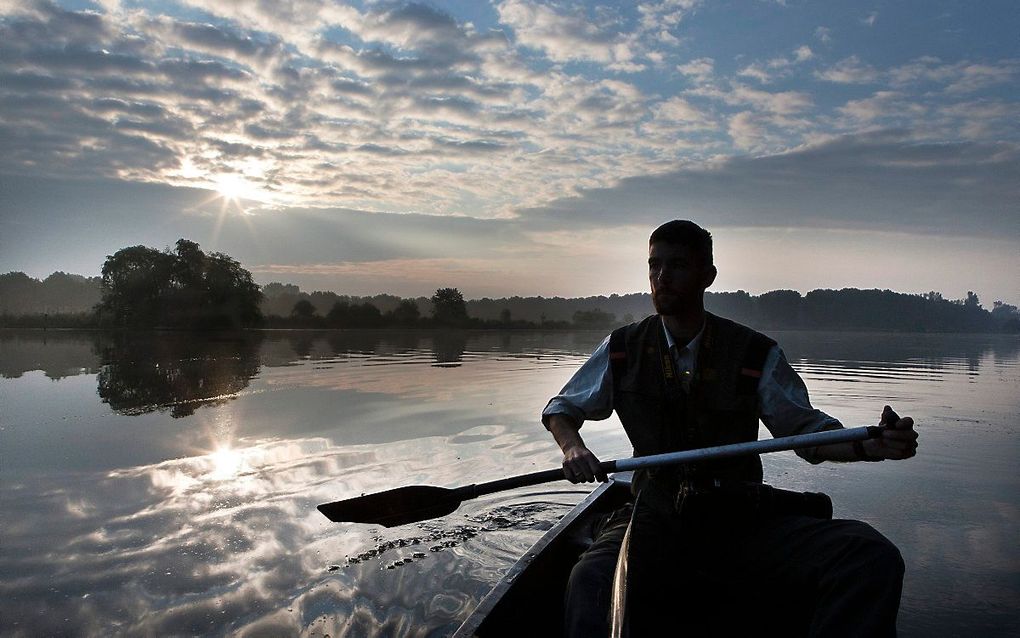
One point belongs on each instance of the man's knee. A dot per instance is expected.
(589, 590)
(873, 555)
(590, 576)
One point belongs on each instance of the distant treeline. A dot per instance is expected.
(58, 293)
(846, 309)
(63, 300)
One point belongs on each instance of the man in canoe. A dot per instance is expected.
(682, 379)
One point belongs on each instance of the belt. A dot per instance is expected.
(711, 499)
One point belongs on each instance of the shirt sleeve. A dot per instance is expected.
(588, 395)
(785, 407)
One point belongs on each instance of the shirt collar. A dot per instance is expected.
(691, 347)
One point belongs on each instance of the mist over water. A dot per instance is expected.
(166, 484)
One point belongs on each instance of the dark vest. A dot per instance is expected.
(721, 406)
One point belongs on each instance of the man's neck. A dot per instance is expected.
(686, 326)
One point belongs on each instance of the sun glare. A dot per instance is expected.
(226, 463)
(234, 188)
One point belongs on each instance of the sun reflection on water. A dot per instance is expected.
(227, 463)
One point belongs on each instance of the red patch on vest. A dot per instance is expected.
(748, 372)
(617, 355)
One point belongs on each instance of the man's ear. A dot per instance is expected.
(710, 273)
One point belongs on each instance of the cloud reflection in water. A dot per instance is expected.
(230, 541)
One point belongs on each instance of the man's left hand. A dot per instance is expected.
(898, 440)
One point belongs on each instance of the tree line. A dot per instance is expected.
(184, 288)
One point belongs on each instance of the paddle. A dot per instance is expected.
(415, 503)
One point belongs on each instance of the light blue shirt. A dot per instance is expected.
(784, 406)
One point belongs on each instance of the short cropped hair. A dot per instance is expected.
(687, 234)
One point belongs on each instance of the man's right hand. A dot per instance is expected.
(581, 466)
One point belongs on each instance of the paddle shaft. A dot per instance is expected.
(795, 442)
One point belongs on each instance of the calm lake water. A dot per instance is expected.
(167, 484)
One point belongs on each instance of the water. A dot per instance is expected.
(167, 484)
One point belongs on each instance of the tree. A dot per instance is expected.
(337, 315)
(780, 308)
(449, 308)
(145, 287)
(230, 292)
(136, 282)
(305, 310)
(590, 319)
(505, 316)
(406, 313)
(276, 289)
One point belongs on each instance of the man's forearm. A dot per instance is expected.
(839, 452)
(565, 430)
(579, 464)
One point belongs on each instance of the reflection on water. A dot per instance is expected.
(167, 485)
(175, 372)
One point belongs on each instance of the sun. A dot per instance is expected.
(234, 188)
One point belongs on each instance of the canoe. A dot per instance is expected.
(534, 585)
(528, 600)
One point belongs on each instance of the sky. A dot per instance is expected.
(511, 147)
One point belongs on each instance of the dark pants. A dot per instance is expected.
(795, 575)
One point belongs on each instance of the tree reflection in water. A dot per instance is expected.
(449, 348)
(175, 372)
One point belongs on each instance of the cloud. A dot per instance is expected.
(401, 107)
(955, 78)
(411, 93)
(748, 131)
(958, 78)
(803, 53)
(699, 69)
(566, 37)
(757, 72)
(779, 102)
(778, 67)
(881, 105)
(849, 71)
(677, 109)
(884, 180)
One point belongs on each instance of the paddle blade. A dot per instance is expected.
(399, 506)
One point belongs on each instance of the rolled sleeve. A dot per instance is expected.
(588, 395)
(785, 407)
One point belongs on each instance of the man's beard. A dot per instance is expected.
(667, 303)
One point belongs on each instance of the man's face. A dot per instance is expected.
(678, 277)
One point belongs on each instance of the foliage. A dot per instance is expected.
(594, 319)
(405, 314)
(186, 288)
(345, 315)
(303, 309)
(60, 293)
(449, 308)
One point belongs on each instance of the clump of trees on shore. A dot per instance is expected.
(184, 288)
